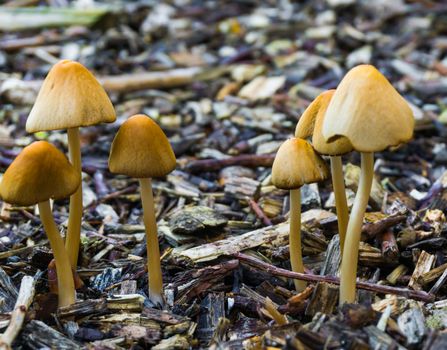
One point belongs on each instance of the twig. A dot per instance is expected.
(249, 160)
(259, 212)
(24, 300)
(408, 293)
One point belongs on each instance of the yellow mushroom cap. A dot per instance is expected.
(39, 172)
(311, 124)
(70, 97)
(296, 164)
(141, 149)
(368, 111)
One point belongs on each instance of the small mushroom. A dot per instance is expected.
(370, 113)
(296, 164)
(41, 172)
(310, 125)
(69, 98)
(141, 150)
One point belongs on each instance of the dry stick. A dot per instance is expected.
(259, 212)
(249, 160)
(296, 258)
(75, 212)
(341, 204)
(153, 250)
(141, 80)
(377, 288)
(24, 300)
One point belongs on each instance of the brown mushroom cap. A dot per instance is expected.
(39, 172)
(311, 123)
(70, 97)
(141, 149)
(296, 164)
(368, 111)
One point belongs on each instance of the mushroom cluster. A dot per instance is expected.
(70, 98)
(364, 114)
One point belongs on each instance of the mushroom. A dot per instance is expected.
(41, 172)
(141, 150)
(370, 113)
(310, 125)
(296, 164)
(69, 98)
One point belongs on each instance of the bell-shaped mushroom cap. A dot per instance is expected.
(39, 172)
(296, 164)
(368, 111)
(70, 97)
(141, 149)
(311, 123)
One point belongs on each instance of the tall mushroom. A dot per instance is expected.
(69, 98)
(141, 150)
(296, 164)
(370, 113)
(310, 125)
(41, 172)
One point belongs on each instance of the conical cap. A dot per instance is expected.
(39, 172)
(141, 149)
(296, 163)
(368, 111)
(311, 124)
(70, 97)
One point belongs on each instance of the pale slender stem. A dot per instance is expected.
(296, 259)
(75, 212)
(338, 183)
(65, 281)
(153, 251)
(348, 271)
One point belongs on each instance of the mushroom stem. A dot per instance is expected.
(65, 283)
(341, 204)
(296, 259)
(75, 212)
(153, 251)
(348, 272)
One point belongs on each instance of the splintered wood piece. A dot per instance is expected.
(379, 340)
(37, 335)
(129, 302)
(397, 304)
(213, 307)
(396, 273)
(423, 265)
(8, 292)
(439, 283)
(195, 282)
(324, 299)
(252, 239)
(24, 300)
(333, 258)
(163, 316)
(83, 308)
(242, 187)
(431, 275)
(273, 312)
(412, 323)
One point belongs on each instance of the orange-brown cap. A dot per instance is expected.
(39, 172)
(368, 111)
(141, 149)
(311, 123)
(70, 97)
(296, 164)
